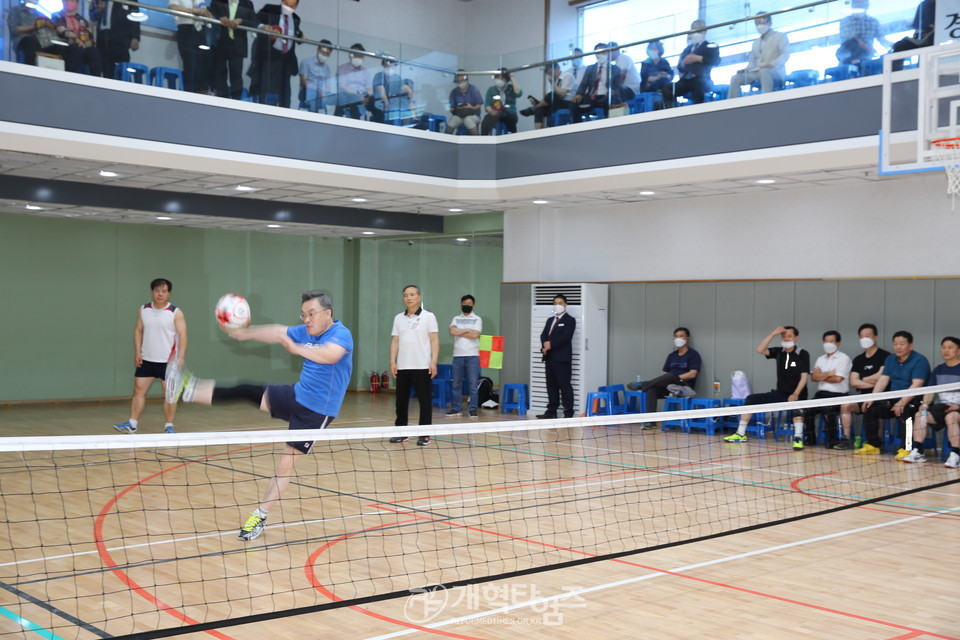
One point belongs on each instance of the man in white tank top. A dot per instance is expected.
(160, 336)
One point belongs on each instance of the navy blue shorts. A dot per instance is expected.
(284, 406)
(151, 370)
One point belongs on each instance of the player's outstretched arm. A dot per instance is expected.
(267, 333)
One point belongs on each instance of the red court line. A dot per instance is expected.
(796, 487)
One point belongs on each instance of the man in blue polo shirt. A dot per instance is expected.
(904, 369)
(326, 347)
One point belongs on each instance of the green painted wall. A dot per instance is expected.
(72, 289)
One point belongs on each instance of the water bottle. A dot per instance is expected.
(639, 380)
(716, 389)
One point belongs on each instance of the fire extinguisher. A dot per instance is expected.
(385, 380)
(374, 382)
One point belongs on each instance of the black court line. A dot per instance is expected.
(60, 613)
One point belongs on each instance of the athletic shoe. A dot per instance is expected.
(189, 386)
(453, 412)
(169, 429)
(634, 386)
(473, 413)
(547, 416)
(125, 427)
(398, 439)
(901, 454)
(252, 528)
(914, 456)
(843, 444)
(953, 460)
(867, 450)
(735, 437)
(423, 441)
(647, 426)
(798, 442)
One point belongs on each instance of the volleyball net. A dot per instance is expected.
(136, 536)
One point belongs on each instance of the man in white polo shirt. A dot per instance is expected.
(832, 375)
(413, 359)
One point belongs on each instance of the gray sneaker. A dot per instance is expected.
(473, 413)
(453, 412)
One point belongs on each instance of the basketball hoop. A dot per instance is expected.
(948, 152)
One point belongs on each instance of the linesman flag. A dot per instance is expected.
(491, 352)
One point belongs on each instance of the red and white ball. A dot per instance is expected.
(233, 312)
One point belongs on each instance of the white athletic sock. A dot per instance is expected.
(168, 424)
(798, 429)
(134, 422)
(742, 428)
(260, 512)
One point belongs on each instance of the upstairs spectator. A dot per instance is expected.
(116, 36)
(354, 84)
(858, 31)
(599, 87)
(75, 31)
(629, 77)
(231, 46)
(766, 62)
(561, 84)
(30, 32)
(316, 78)
(393, 93)
(657, 73)
(924, 24)
(501, 103)
(275, 59)
(197, 62)
(465, 105)
(576, 66)
(696, 63)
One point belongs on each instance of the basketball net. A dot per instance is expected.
(948, 152)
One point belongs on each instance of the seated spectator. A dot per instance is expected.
(230, 48)
(501, 103)
(905, 369)
(599, 88)
(561, 84)
(793, 370)
(944, 413)
(576, 66)
(75, 31)
(629, 76)
(30, 32)
(116, 35)
(766, 62)
(465, 105)
(858, 31)
(393, 92)
(696, 63)
(924, 24)
(196, 58)
(275, 59)
(867, 368)
(832, 375)
(315, 78)
(657, 73)
(355, 86)
(679, 375)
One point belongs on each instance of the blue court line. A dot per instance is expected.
(29, 626)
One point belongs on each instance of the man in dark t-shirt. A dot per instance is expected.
(867, 368)
(679, 375)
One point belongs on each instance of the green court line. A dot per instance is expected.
(29, 626)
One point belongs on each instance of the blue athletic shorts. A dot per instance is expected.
(284, 406)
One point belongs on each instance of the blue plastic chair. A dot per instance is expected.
(559, 118)
(433, 122)
(514, 397)
(709, 425)
(131, 72)
(445, 371)
(646, 101)
(617, 393)
(841, 72)
(675, 404)
(734, 420)
(871, 67)
(635, 401)
(801, 78)
(442, 391)
(599, 403)
(166, 77)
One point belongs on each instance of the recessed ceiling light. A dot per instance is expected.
(461, 239)
(648, 193)
(541, 202)
(273, 226)
(164, 218)
(243, 187)
(358, 199)
(33, 207)
(108, 174)
(766, 181)
(369, 233)
(454, 210)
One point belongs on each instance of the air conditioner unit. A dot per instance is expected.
(588, 304)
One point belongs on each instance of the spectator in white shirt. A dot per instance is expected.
(832, 375)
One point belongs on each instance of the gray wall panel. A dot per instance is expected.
(698, 304)
(733, 350)
(626, 306)
(909, 305)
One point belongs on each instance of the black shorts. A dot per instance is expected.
(284, 406)
(151, 370)
(938, 412)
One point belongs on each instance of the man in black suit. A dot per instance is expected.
(275, 59)
(696, 62)
(116, 35)
(557, 349)
(230, 48)
(600, 86)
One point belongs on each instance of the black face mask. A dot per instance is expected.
(466, 308)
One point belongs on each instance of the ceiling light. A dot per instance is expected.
(369, 233)
(164, 218)
(274, 226)
(454, 210)
(243, 187)
(108, 174)
(766, 181)
(358, 199)
(33, 207)
(541, 202)
(648, 193)
(461, 239)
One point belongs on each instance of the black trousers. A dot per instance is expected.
(656, 388)
(697, 88)
(559, 387)
(507, 117)
(196, 63)
(831, 418)
(882, 410)
(419, 381)
(75, 56)
(227, 72)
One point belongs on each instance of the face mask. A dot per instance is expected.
(286, 10)
(866, 343)
(601, 58)
(463, 85)
(763, 28)
(679, 342)
(577, 63)
(558, 309)
(357, 62)
(829, 347)
(499, 82)
(466, 308)
(321, 58)
(70, 7)
(697, 38)
(787, 344)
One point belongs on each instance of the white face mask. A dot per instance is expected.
(357, 62)
(763, 28)
(829, 347)
(321, 58)
(866, 343)
(601, 58)
(577, 63)
(558, 309)
(697, 38)
(679, 342)
(787, 344)
(499, 82)
(463, 85)
(286, 10)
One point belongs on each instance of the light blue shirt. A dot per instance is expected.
(322, 386)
